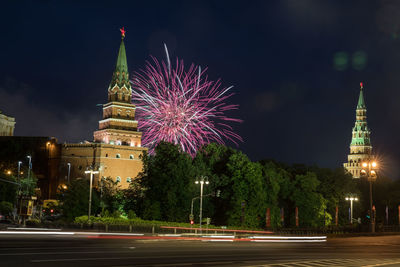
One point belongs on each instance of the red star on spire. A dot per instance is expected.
(122, 32)
(361, 85)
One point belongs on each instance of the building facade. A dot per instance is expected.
(45, 160)
(360, 146)
(116, 150)
(7, 125)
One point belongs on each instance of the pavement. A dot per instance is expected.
(52, 247)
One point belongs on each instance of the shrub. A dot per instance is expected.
(6, 208)
(33, 222)
(131, 215)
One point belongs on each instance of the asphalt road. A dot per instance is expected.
(52, 250)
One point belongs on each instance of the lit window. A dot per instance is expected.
(118, 156)
(131, 157)
(118, 179)
(128, 180)
(118, 143)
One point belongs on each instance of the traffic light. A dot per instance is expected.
(218, 193)
(191, 222)
(368, 215)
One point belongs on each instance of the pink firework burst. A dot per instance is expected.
(181, 107)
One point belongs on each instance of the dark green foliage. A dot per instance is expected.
(8, 191)
(167, 180)
(134, 195)
(9, 188)
(310, 203)
(6, 208)
(111, 196)
(131, 215)
(166, 186)
(74, 201)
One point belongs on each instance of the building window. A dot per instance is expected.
(118, 156)
(131, 157)
(118, 180)
(118, 142)
(106, 155)
(128, 180)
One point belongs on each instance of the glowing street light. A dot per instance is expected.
(90, 191)
(203, 180)
(351, 199)
(369, 171)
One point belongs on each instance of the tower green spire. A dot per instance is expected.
(120, 87)
(361, 102)
(121, 76)
(361, 132)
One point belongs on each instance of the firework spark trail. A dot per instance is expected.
(181, 107)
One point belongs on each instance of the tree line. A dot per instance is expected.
(240, 192)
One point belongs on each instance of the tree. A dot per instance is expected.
(240, 181)
(167, 180)
(111, 196)
(249, 199)
(211, 160)
(334, 186)
(8, 188)
(311, 204)
(74, 201)
(276, 180)
(6, 208)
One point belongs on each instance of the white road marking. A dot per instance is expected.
(63, 252)
(34, 233)
(32, 229)
(288, 237)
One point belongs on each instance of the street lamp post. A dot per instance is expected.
(191, 207)
(351, 199)
(29, 166)
(90, 191)
(369, 170)
(69, 171)
(203, 180)
(19, 169)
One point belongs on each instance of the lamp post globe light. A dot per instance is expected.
(351, 199)
(90, 191)
(369, 168)
(203, 180)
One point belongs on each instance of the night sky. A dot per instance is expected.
(295, 66)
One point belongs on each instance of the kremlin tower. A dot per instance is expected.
(360, 146)
(116, 150)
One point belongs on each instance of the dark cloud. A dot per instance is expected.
(35, 119)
